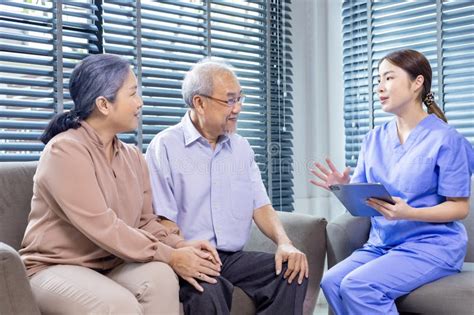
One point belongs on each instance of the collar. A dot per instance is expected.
(92, 134)
(191, 134)
(422, 125)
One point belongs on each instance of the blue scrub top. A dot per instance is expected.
(435, 162)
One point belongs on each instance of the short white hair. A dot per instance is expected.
(199, 79)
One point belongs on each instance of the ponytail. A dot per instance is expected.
(59, 123)
(433, 108)
(415, 64)
(96, 75)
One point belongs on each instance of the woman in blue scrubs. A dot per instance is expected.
(426, 165)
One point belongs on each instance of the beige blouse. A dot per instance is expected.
(89, 212)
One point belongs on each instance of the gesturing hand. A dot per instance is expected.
(191, 264)
(329, 177)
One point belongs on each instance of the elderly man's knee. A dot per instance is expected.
(213, 290)
(216, 299)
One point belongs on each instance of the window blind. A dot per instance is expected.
(458, 65)
(252, 36)
(357, 113)
(280, 146)
(40, 43)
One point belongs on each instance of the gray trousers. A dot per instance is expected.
(254, 273)
(132, 288)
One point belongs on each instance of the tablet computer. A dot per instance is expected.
(354, 196)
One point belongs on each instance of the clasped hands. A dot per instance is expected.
(196, 260)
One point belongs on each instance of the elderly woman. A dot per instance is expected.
(93, 244)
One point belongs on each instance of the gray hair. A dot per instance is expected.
(96, 75)
(199, 79)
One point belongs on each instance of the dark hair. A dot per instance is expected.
(415, 64)
(95, 76)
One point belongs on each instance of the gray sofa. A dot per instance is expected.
(450, 295)
(16, 181)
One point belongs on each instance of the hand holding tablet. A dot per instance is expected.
(354, 197)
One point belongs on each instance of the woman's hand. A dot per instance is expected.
(204, 246)
(400, 210)
(193, 264)
(329, 176)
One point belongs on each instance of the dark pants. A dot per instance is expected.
(254, 273)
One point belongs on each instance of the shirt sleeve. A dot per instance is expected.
(164, 202)
(359, 175)
(455, 161)
(67, 175)
(148, 220)
(260, 198)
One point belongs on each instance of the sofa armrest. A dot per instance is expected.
(308, 235)
(345, 234)
(15, 291)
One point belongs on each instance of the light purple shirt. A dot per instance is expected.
(211, 195)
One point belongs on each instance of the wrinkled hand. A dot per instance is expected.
(203, 246)
(296, 260)
(400, 210)
(329, 176)
(170, 225)
(191, 264)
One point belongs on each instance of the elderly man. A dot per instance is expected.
(205, 180)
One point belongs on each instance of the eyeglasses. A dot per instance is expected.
(230, 102)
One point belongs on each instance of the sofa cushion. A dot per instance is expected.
(15, 290)
(308, 235)
(16, 190)
(450, 295)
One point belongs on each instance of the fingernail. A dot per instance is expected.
(278, 272)
(300, 282)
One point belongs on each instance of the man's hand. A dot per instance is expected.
(203, 246)
(297, 262)
(170, 225)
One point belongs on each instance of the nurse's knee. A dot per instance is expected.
(330, 281)
(353, 286)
